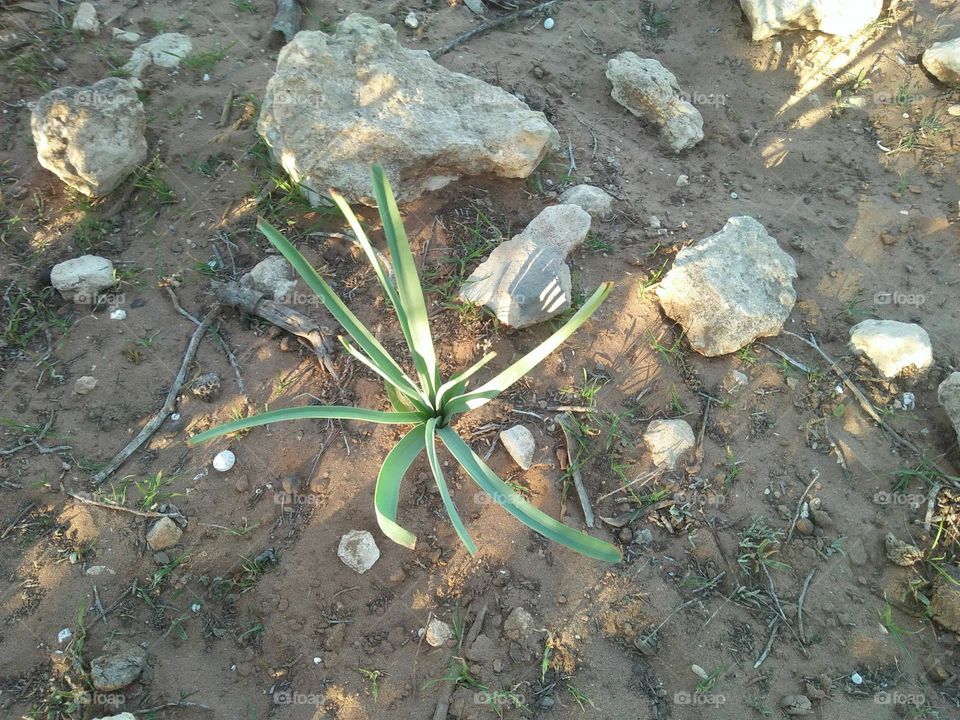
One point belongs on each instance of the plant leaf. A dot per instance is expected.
(431, 444)
(420, 402)
(408, 283)
(526, 513)
(459, 379)
(490, 389)
(310, 412)
(386, 496)
(363, 337)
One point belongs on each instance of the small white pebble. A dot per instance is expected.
(224, 460)
(118, 314)
(64, 635)
(411, 20)
(317, 660)
(195, 608)
(856, 679)
(733, 196)
(548, 24)
(909, 401)
(206, 77)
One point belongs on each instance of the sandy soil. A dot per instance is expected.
(297, 634)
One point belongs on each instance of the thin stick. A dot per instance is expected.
(796, 363)
(20, 516)
(132, 511)
(98, 605)
(573, 458)
(931, 503)
(491, 25)
(803, 496)
(773, 634)
(179, 703)
(443, 702)
(803, 595)
(225, 112)
(169, 405)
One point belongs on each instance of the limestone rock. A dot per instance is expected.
(945, 603)
(518, 625)
(730, 288)
(84, 385)
(121, 716)
(834, 17)
(165, 50)
(438, 632)
(121, 664)
(85, 20)
(163, 534)
(942, 60)
(339, 103)
(519, 442)
(596, 201)
(525, 279)
(949, 396)
(81, 279)
(669, 441)
(901, 553)
(90, 137)
(273, 277)
(892, 346)
(650, 91)
(358, 550)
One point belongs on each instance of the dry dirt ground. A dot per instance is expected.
(842, 148)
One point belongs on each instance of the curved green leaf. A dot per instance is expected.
(431, 444)
(386, 496)
(310, 412)
(490, 389)
(526, 513)
(419, 402)
(459, 380)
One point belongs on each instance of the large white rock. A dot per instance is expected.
(339, 103)
(519, 442)
(835, 17)
(165, 50)
(525, 279)
(358, 550)
(594, 200)
(650, 91)
(892, 346)
(85, 20)
(274, 277)
(949, 396)
(90, 137)
(730, 288)
(668, 441)
(82, 279)
(942, 60)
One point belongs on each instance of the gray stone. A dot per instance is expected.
(650, 91)
(945, 602)
(84, 385)
(90, 137)
(668, 441)
(81, 279)
(85, 20)
(519, 442)
(358, 550)
(121, 664)
(126, 36)
(339, 103)
(834, 17)
(518, 625)
(942, 60)
(597, 202)
(892, 346)
(730, 288)
(796, 705)
(949, 396)
(438, 632)
(901, 553)
(163, 534)
(274, 277)
(165, 50)
(525, 280)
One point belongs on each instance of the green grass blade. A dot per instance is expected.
(459, 380)
(420, 403)
(363, 337)
(526, 513)
(408, 282)
(490, 389)
(431, 444)
(310, 412)
(398, 401)
(386, 496)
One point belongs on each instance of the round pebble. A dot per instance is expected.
(548, 24)
(733, 196)
(224, 460)
(118, 314)
(954, 110)
(856, 679)
(411, 20)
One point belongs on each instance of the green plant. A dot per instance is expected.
(429, 403)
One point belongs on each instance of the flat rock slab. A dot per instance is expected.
(525, 280)
(650, 91)
(892, 346)
(90, 137)
(339, 103)
(730, 288)
(120, 664)
(834, 17)
(165, 50)
(519, 442)
(942, 60)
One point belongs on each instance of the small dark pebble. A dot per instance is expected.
(138, 303)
